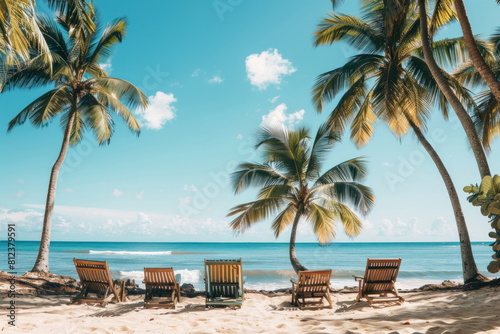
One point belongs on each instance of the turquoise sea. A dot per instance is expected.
(265, 265)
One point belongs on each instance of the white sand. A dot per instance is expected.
(423, 312)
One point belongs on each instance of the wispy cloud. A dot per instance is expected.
(215, 80)
(139, 195)
(196, 73)
(159, 111)
(267, 68)
(117, 193)
(278, 116)
(274, 99)
(19, 194)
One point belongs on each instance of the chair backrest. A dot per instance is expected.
(223, 278)
(159, 278)
(314, 280)
(380, 274)
(94, 275)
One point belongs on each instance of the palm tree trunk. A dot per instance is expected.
(469, 268)
(476, 57)
(42, 261)
(297, 266)
(444, 86)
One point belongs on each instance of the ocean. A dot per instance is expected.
(265, 265)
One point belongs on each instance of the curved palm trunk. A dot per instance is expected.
(297, 266)
(42, 261)
(476, 57)
(444, 86)
(469, 268)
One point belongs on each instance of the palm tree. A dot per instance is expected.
(475, 54)
(84, 96)
(389, 81)
(292, 188)
(444, 85)
(487, 115)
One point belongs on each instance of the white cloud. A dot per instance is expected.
(139, 195)
(185, 200)
(115, 223)
(159, 111)
(216, 79)
(20, 181)
(27, 220)
(440, 227)
(190, 187)
(398, 228)
(277, 117)
(196, 73)
(239, 136)
(274, 99)
(386, 164)
(19, 194)
(267, 68)
(107, 66)
(68, 190)
(117, 193)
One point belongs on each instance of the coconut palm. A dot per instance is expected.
(476, 57)
(84, 96)
(444, 85)
(388, 80)
(293, 189)
(487, 117)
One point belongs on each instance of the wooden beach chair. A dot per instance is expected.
(223, 283)
(311, 288)
(161, 288)
(96, 279)
(378, 284)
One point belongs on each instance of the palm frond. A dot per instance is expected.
(41, 111)
(350, 29)
(323, 222)
(362, 124)
(253, 174)
(349, 193)
(351, 170)
(253, 212)
(112, 34)
(284, 219)
(122, 89)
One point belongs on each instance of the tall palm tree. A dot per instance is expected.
(475, 54)
(388, 80)
(444, 85)
(293, 189)
(487, 115)
(84, 96)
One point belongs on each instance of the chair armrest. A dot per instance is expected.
(358, 278)
(293, 282)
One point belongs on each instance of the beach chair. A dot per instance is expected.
(311, 288)
(223, 283)
(161, 288)
(96, 279)
(378, 284)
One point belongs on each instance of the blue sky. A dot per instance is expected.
(214, 71)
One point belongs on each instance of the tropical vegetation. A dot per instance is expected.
(84, 96)
(292, 187)
(389, 80)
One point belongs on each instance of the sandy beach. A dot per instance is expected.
(444, 311)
